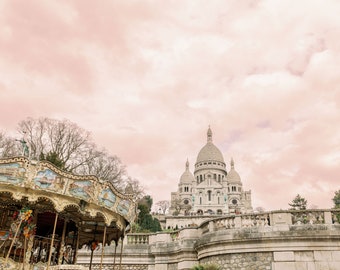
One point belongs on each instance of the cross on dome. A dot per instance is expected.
(209, 135)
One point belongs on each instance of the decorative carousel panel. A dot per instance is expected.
(19, 174)
(123, 207)
(12, 173)
(107, 198)
(49, 180)
(81, 189)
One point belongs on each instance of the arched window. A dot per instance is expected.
(209, 195)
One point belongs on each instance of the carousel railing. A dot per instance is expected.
(36, 250)
(42, 248)
(12, 247)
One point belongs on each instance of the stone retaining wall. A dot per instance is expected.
(307, 260)
(308, 240)
(245, 261)
(110, 267)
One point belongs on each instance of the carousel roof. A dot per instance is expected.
(84, 199)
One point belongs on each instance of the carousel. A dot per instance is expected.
(47, 214)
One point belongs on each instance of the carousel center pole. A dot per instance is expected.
(52, 242)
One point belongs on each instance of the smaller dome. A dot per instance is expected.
(233, 175)
(187, 176)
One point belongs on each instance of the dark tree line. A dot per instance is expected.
(145, 221)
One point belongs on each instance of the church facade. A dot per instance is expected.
(211, 189)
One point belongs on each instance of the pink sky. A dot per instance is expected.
(147, 78)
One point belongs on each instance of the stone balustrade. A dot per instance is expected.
(305, 239)
(137, 238)
(289, 217)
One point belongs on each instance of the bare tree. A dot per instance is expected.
(163, 206)
(8, 146)
(71, 148)
(105, 167)
(177, 205)
(65, 140)
(34, 133)
(133, 186)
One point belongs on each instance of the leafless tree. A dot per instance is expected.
(163, 206)
(133, 186)
(71, 144)
(70, 147)
(8, 146)
(177, 205)
(105, 167)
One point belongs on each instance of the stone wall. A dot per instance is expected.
(172, 266)
(110, 267)
(245, 261)
(281, 240)
(307, 260)
(281, 260)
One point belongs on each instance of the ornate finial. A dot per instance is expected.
(232, 163)
(187, 165)
(209, 133)
(129, 189)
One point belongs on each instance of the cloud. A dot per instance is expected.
(147, 79)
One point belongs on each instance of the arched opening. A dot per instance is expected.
(209, 195)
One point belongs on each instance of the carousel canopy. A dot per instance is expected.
(89, 203)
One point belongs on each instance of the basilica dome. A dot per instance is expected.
(209, 152)
(187, 176)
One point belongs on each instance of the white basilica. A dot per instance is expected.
(211, 189)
